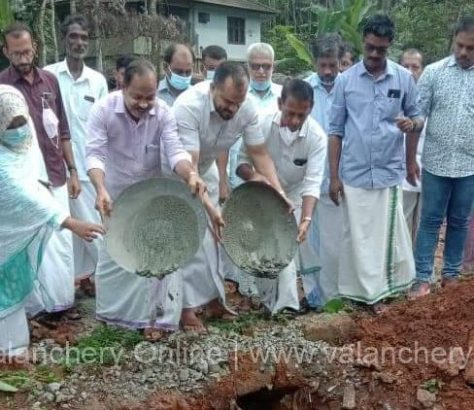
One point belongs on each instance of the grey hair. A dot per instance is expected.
(328, 45)
(260, 49)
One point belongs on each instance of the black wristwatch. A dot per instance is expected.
(71, 168)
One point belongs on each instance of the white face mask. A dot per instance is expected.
(50, 121)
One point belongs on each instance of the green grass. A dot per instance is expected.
(100, 346)
(242, 323)
(14, 380)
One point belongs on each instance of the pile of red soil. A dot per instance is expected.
(419, 340)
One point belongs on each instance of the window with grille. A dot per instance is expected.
(235, 30)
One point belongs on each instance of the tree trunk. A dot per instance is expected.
(153, 7)
(53, 32)
(41, 33)
(73, 7)
(98, 55)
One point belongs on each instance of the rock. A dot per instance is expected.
(53, 387)
(84, 395)
(214, 368)
(183, 375)
(384, 377)
(329, 328)
(349, 398)
(425, 397)
(454, 363)
(469, 370)
(201, 366)
(60, 397)
(48, 396)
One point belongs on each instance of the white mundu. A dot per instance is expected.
(202, 130)
(79, 95)
(299, 159)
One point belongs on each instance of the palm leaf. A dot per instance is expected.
(300, 48)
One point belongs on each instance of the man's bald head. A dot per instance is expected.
(179, 59)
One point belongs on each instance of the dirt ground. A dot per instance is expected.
(415, 355)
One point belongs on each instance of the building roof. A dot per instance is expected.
(240, 4)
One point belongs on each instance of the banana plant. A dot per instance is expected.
(345, 18)
(6, 14)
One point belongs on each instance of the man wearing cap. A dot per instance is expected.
(125, 132)
(210, 118)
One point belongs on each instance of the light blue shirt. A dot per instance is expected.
(363, 114)
(164, 92)
(78, 98)
(320, 112)
(322, 101)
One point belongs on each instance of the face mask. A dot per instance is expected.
(210, 74)
(17, 139)
(260, 86)
(179, 82)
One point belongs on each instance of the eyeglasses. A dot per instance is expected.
(256, 67)
(17, 55)
(370, 48)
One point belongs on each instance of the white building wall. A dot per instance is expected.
(215, 31)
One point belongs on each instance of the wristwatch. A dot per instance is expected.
(71, 168)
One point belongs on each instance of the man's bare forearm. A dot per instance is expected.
(334, 155)
(307, 208)
(97, 177)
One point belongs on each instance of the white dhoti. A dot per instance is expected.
(86, 254)
(14, 334)
(376, 257)
(412, 211)
(328, 229)
(281, 293)
(128, 300)
(53, 289)
(202, 277)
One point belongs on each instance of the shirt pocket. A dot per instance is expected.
(392, 108)
(152, 158)
(297, 170)
(84, 106)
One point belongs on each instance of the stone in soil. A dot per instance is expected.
(426, 398)
(331, 328)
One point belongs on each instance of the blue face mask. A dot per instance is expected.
(17, 139)
(260, 85)
(179, 82)
(210, 74)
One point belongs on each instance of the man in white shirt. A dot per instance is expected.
(211, 116)
(297, 145)
(412, 60)
(80, 88)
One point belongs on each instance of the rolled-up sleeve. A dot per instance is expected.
(338, 112)
(252, 133)
(188, 126)
(174, 149)
(411, 106)
(315, 169)
(425, 88)
(96, 140)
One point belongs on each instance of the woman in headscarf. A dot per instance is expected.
(28, 215)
